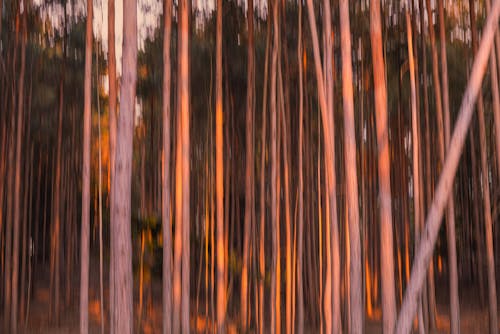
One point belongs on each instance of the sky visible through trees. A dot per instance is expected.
(227, 166)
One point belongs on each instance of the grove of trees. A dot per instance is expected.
(249, 166)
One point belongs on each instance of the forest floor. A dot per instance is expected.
(474, 319)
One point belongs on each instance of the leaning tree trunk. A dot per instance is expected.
(444, 187)
(166, 207)
(384, 171)
(85, 228)
(121, 184)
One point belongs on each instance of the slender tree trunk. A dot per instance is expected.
(288, 236)
(166, 208)
(17, 181)
(430, 275)
(183, 155)
(475, 176)
(416, 158)
(121, 184)
(300, 219)
(112, 148)
(492, 294)
(249, 175)
(85, 227)
(274, 195)
(356, 304)
(330, 168)
(450, 228)
(219, 176)
(430, 232)
(384, 171)
(262, 260)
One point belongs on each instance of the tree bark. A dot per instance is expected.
(249, 174)
(300, 218)
(219, 176)
(274, 196)
(384, 171)
(183, 152)
(85, 227)
(450, 227)
(121, 184)
(330, 168)
(17, 181)
(112, 147)
(166, 206)
(356, 304)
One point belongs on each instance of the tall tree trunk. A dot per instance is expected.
(219, 176)
(274, 195)
(288, 228)
(249, 175)
(85, 227)
(450, 228)
(416, 157)
(121, 184)
(356, 304)
(384, 171)
(262, 261)
(328, 134)
(300, 218)
(17, 181)
(475, 176)
(166, 208)
(434, 217)
(182, 176)
(430, 275)
(112, 147)
(495, 91)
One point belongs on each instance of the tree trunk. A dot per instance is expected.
(450, 228)
(183, 150)
(430, 232)
(300, 219)
(219, 176)
(384, 171)
(262, 260)
(495, 91)
(112, 148)
(356, 304)
(121, 184)
(166, 208)
(249, 175)
(330, 168)
(274, 232)
(17, 181)
(85, 227)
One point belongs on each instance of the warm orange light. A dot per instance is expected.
(304, 57)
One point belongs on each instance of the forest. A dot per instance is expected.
(241, 166)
